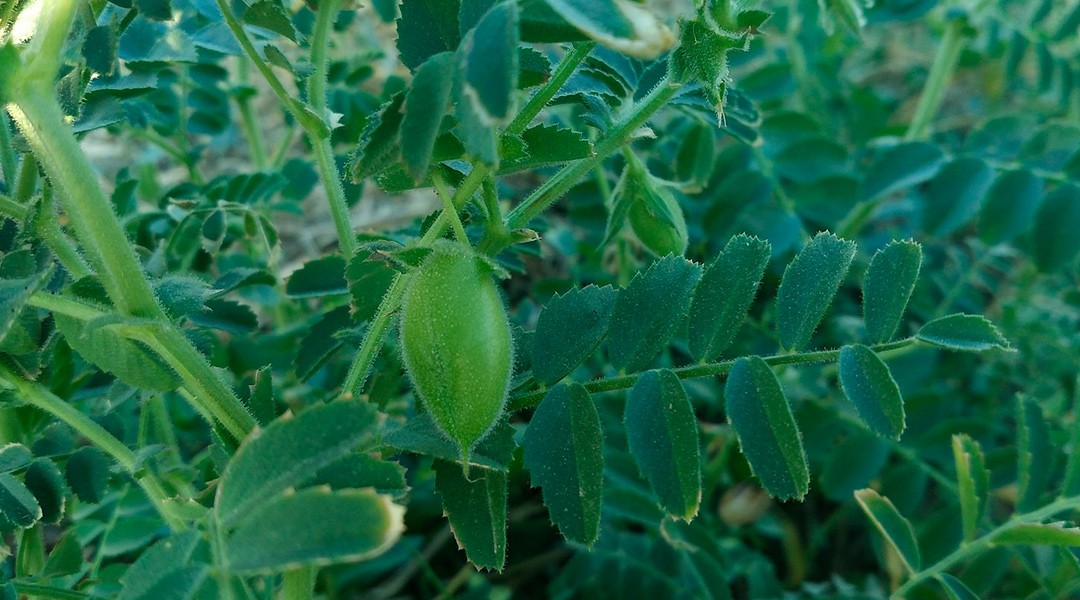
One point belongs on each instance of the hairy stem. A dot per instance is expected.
(252, 132)
(532, 398)
(50, 232)
(298, 584)
(539, 100)
(8, 165)
(12, 209)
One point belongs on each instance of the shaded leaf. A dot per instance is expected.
(564, 455)
(87, 474)
(1034, 454)
(808, 286)
(902, 166)
(725, 294)
(323, 276)
(662, 433)
(18, 507)
(421, 435)
(955, 589)
(44, 480)
(867, 382)
(144, 579)
(891, 524)
(620, 25)
(953, 197)
(768, 435)
(490, 67)
(1010, 206)
(476, 508)
(569, 329)
(425, 105)
(973, 482)
(887, 286)
(1054, 238)
(14, 457)
(426, 28)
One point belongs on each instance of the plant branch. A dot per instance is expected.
(984, 543)
(532, 398)
(948, 55)
(566, 67)
(57, 241)
(10, 208)
(8, 165)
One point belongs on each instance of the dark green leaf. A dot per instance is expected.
(891, 524)
(13, 296)
(380, 144)
(87, 474)
(1010, 206)
(100, 49)
(286, 453)
(564, 455)
(158, 10)
(622, 26)
(66, 557)
(813, 159)
(1055, 240)
(420, 435)
(663, 436)
(355, 471)
(954, 196)
(18, 507)
(857, 460)
(725, 294)
(569, 329)
(320, 277)
(887, 286)
(44, 480)
(490, 65)
(321, 342)
(648, 311)
(262, 403)
(157, 564)
(1034, 454)
(870, 386)
(14, 457)
(476, 508)
(368, 279)
(973, 333)
(314, 527)
(956, 589)
(226, 315)
(425, 104)
(902, 166)
(271, 16)
(768, 435)
(808, 287)
(426, 28)
(547, 145)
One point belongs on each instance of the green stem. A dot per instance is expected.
(448, 208)
(948, 55)
(620, 382)
(539, 100)
(282, 151)
(298, 584)
(310, 120)
(10, 208)
(57, 241)
(40, 397)
(8, 164)
(48, 591)
(970, 550)
(252, 132)
(26, 180)
(173, 150)
(568, 177)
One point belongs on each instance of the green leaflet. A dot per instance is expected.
(1041, 534)
(476, 507)
(867, 382)
(856, 461)
(973, 482)
(973, 333)
(355, 471)
(648, 311)
(953, 197)
(891, 524)
(421, 435)
(618, 24)
(18, 507)
(44, 480)
(1034, 454)
(157, 564)
(87, 473)
(569, 329)
(1010, 206)
(426, 28)
(1055, 242)
(285, 454)
(323, 276)
(956, 589)
(490, 64)
(887, 286)
(768, 435)
(663, 436)
(14, 456)
(901, 166)
(425, 105)
(725, 294)
(564, 452)
(314, 526)
(13, 296)
(808, 287)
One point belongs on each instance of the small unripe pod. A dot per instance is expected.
(662, 234)
(456, 342)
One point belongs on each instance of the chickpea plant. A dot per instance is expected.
(691, 308)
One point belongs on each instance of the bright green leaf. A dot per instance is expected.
(867, 382)
(314, 527)
(808, 287)
(285, 454)
(887, 286)
(973, 333)
(890, 523)
(725, 294)
(768, 435)
(973, 482)
(564, 455)
(1040, 534)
